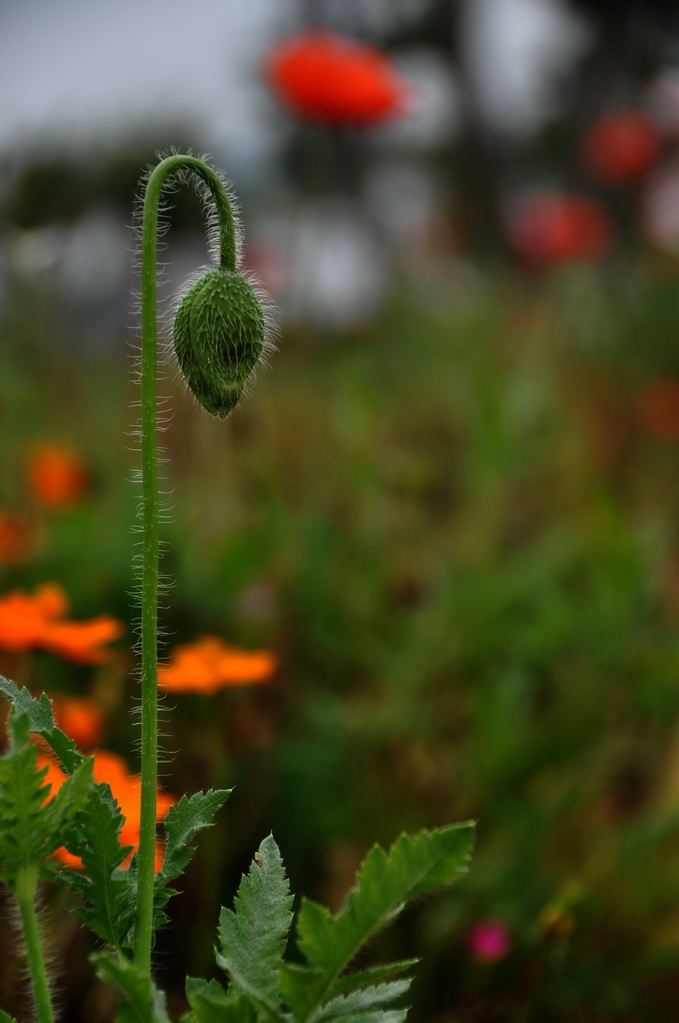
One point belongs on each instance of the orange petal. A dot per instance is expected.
(82, 641)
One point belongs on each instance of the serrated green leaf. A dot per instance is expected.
(142, 1002)
(352, 981)
(5, 1018)
(39, 712)
(30, 828)
(367, 1005)
(211, 1004)
(108, 892)
(69, 801)
(181, 823)
(253, 938)
(414, 865)
(41, 721)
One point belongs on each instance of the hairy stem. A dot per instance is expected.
(150, 516)
(26, 884)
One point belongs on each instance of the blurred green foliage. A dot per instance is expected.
(460, 538)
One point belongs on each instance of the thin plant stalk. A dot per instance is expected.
(150, 515)
(25, 893)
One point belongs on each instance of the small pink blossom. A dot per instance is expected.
(488, 941)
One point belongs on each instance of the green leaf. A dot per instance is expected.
(142, 1001)
(367, 1005)
(181, 823)
(73, 795)
(108, 891)
(414, 866)
(253, 938)
(211, 1004)
(350, 981)
(41, 721)
(4, 1018)
(30, 829)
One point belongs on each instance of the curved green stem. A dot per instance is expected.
(26, 884)
(150, 517)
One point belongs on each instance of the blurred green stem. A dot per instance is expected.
(150, 515)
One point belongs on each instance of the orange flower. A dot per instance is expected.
(38, 621)
(657, 408)
(15, 538)
(208, 665)
(621, 146)
(548, 229)
(125, 787)
(80, 718)
(326, 77)
(56, 475)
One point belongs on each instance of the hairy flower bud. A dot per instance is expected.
(218, 336)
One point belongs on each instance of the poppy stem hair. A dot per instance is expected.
(151, 510)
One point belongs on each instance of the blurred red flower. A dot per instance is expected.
(57, 476)
(126, 790)
(326, 77)
(657, 408)
(621, 146)
(209, 665)
(549, 228)
(38, 621)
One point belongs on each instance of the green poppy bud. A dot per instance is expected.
(218, 336)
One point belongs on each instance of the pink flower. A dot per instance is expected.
(488, 941)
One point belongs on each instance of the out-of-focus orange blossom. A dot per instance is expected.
(657, 408)
(80, 717)
(209, 665)
(547, 229)
(125, 788)
(326, 77)
(56, 474)
(621, 146)
(38, 621)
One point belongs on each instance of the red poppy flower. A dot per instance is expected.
(621, 146)
(57, 475)
(326, 77)
(548, 229)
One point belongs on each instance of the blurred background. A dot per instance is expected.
(448, 512)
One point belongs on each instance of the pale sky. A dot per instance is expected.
(71, 68)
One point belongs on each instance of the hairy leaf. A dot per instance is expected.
(41, 721)
(253, 938)
(142, 1002)
(108, 891)
(211, 1004)
(181, 823)
(4, 1018)
(367, 1005)
(414, 866)
(30, 830)
(352, 981)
